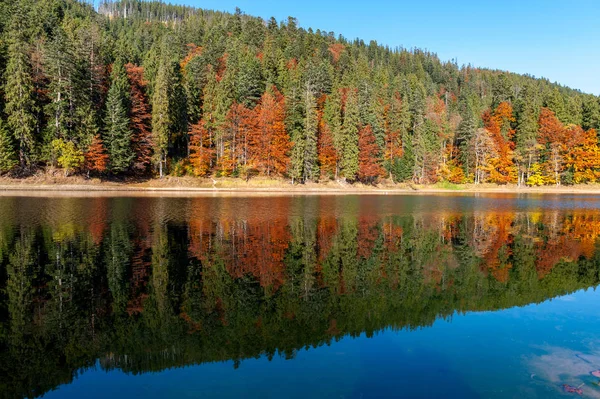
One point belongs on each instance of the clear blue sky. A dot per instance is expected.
(556, 39)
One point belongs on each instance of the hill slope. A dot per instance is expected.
(140, 88)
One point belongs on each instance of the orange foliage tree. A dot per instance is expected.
(328, 157)
(555, 143)
(584, 157)
(96, 159)
(201, 149)
(239, 123)
(140, 119)
(269, 143)
(369, 167)
(498, 123)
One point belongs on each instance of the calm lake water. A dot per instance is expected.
(489, 296)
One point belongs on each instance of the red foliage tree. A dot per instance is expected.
(141, 119)
(328, 157)
(239, 124)
(96, 159)
(369, 167)
(201, 149)
(551, 129)
(269, 143)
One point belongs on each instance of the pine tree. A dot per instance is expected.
(349, 133)
(20, 102)
(161, 115)
(526, 132)
(591, 113)
(464, 136)
(59, 63)
(555, 101)
(8, 155)
(304, 153)
(332, 117)
(117, 135)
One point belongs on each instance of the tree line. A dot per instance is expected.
(142, 88)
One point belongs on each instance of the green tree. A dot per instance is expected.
(117, 133)
(8, 155)
(349, 137)
(161, 115)
(20, 100)
(591, 113)
(304, 153)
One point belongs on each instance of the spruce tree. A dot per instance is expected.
(332, 114)
(117, 135)
(161, 115)
(19, 96)
(8, 155)
(350, 128)
(591, 113)
(311, 167)
(464, 136)
(526, 133)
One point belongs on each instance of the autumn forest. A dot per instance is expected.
(140, 89)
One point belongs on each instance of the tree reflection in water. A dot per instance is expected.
(143, 284)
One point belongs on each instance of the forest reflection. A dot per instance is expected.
(143, 284)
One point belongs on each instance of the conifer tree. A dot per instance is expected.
(464, 136)
(161, 115)
(20, 102)
(349, 135)
(117, 134)
(304, 153)
(591, 113)
(332, 118)
(8, 155)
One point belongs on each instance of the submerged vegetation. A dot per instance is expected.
(142, 88)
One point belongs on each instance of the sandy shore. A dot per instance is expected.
(190, 186)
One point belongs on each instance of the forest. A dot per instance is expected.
(141, 89)
(144, 284)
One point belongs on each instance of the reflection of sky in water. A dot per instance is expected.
(520, 352)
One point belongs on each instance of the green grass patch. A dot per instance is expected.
(446, 185)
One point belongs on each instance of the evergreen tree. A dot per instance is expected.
(591, 113)
(555, 101)
(19, 96)
(332, 115)
(304, 153)
(8, 155)
(464, 136)
(526, 133)
(117, 134)
(349, 137)
(161, 115)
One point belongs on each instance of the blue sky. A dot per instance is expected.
(556, 39)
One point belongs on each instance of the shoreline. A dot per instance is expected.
(186, 187)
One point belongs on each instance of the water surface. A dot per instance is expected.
(470, 296)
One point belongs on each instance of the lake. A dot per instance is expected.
(466, 296)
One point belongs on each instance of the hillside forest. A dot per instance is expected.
(141, 89)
